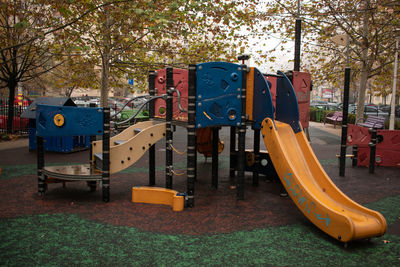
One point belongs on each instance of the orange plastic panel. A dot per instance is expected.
(157, 195)
(250, 93)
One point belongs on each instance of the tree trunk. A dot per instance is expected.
(365, 64)
(11, 86)
(70, 90)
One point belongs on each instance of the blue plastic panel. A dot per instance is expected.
(218, 94)
(287, 108)
(77, 121)
(262, 100)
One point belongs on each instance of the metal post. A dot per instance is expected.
(242, 141)
(372, 146)
(342, 164)
(105, 179)
(214, 175)
(169, 133)
(256, 148)
(232, 155)
(40, 165)
(355, 156)
(92, 138)
(152, 149)
(191, 142)
(393, 102)
(297, 39)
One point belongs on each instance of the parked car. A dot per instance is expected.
(319, 104)
(388, 109)
(369, 109)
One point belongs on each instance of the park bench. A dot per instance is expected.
(373, 122)
(335, 118)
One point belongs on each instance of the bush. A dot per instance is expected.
(313, 115)
(396, 124)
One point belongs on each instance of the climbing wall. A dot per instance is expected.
(218, 94)
(302, 86)
(180, 77)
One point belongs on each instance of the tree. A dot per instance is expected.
(19, 21)
(29, 43)
(368, 23)
(75, 72)
(132, 37)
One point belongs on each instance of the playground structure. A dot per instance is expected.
(383, 145)
(218, 94)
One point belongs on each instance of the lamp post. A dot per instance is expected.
(343, 40)
(297, 40)
(393, 102)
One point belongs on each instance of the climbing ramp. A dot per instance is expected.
(129, 146)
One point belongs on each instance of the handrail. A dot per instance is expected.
(179, 100)
(140, 108)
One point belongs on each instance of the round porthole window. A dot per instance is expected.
(232, 114)
(234, 76)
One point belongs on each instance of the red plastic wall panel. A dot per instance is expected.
(357, 135)
(302, 85)
(389, 140)
(360, 136)
(181, 84)
(384, 157)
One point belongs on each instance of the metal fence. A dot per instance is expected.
(19, 125)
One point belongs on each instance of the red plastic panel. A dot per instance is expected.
(360, 136)
(357, 135)
(302, 85)
(386, 158)
(389, 140)
(181, 84)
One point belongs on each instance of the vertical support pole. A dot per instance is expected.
(191, 141)
(355, 156)
(169, 133)
(214, 176)
(297, 43)
(372, 147)
(40, 165)
(256, 149)
(242, 140)
(342, 162)
(392, 117)
(105, 179)
(297, 39)
(152, 149)
(232, 155)
(92, 138)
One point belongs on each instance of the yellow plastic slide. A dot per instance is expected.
(313, 191)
